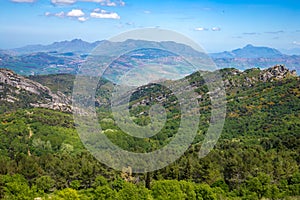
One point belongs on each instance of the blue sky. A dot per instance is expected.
(216, 25)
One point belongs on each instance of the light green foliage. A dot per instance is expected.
(167, 189)
(16, 187)
(132, 192)
(259, 185)
(67, 194)
(75, 184)
(205, 192)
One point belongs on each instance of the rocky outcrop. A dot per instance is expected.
(250, 77)
(10, 78)
(13, 88)
(277, 72)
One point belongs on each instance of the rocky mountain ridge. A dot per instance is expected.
(23, 92)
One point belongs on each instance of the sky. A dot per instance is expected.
(216, 25)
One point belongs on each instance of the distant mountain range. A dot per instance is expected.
(80, 46)
(67, 56)
(250, 51)
(76, 46)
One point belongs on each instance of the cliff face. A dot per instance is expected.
(15, 89)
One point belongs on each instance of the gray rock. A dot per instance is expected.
(15, 84)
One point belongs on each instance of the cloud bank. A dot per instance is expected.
(103, 14)
(101, 2)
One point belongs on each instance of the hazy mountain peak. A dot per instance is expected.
(248, 46)
(77, 40)
(250, 51)
(75, 45)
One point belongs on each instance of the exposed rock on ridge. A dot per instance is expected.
(277, 72)
(14, 87)
(247, 78)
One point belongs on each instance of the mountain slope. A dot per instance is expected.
(256, 157)
(19, 92)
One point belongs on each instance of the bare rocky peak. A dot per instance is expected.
(248, 78)
(277, 72)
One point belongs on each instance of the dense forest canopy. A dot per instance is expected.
(256, 157)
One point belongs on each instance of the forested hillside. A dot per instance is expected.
(257, 156)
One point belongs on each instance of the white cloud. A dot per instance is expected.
(97, 10)
(122, 3)
(60, 14)
(75, 13)
(111, 4)
(107, 2)
(201, 29)
(63, 1)
(82, 19)
(296, 43)
(103, 14)
(95, 1)
(103, 2)
(23, 1)
(66, 2)
(216, 29)
(147, 12)
(47, 14)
